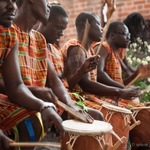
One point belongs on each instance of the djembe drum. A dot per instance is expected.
(140, 135)
(120, 119)
(85, 136)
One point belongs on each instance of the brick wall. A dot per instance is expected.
(123, 8)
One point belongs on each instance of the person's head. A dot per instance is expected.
(7, 12)
(95, 31)
(136, 25)
(39, 9)
(118, 34)
(56, 24)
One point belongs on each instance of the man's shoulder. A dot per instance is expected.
(8, 36)
(37, 34)
(7, 30)
(72, 42)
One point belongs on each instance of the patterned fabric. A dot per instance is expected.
(8, 40)
(112, 64)
(32, 57)
(56, 58)
(121, 51)
(75, 42)
(10, 113)
(89, 100)
(114, 70)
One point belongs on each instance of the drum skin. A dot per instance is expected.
(85, 140)
(140, 135)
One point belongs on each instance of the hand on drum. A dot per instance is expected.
(48, 115)
(83, 113)
(130, 93)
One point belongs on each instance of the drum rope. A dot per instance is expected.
(109, 115)
(135, 112)
(127, 123)
(100, 140)
(73, 138)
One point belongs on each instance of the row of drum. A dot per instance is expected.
(121, 130)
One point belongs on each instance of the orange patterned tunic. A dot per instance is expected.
(90, 100)
(114, 69)
(32, 57)
(10, 113)
(112, 64)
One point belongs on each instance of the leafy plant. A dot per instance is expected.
(139, 53)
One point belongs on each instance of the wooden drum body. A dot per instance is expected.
(119, 118)
(84, 136)
(140, 135)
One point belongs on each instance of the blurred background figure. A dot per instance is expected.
(107, 9)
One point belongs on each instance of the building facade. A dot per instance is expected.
(123, 8)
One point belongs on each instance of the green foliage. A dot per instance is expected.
(139, 53)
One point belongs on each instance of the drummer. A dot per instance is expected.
(56, 27)
(75, 53)
(52, 31)
(110, 66)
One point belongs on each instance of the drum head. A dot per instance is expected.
(116, 109)
(141, 108)
(97, 127)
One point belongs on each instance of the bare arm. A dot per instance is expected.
(15, 87)
(21, 95)
(56, 85)
(43, 93)
(73, 71)
(74, 75)
(85, 81)
(94, 87)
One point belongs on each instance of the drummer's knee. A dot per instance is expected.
(96, 114)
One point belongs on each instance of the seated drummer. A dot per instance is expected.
(75, 54)
(109, 71)
(52, 31)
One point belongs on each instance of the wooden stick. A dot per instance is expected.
(136, 78)
(84, 117)
(33, 144)
(103, 37)
(86, 32)
(104, 32)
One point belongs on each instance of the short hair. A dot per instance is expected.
(57, 10)
(19, 3)
(82, 17)
(113, 27)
